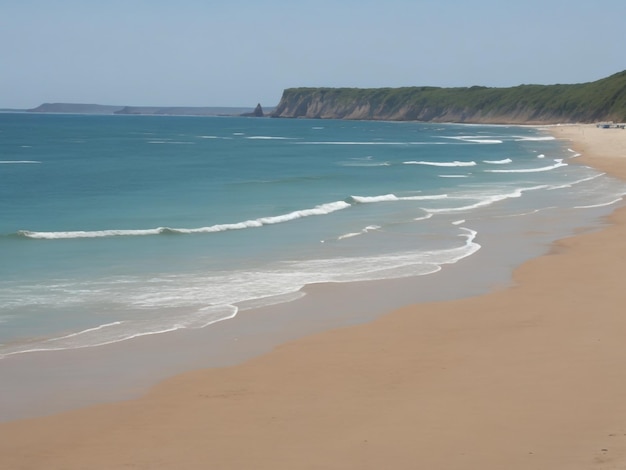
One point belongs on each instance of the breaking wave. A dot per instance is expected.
(320, 210)
(559, 163)
(451, 164)
(498, 162)
(477, 139)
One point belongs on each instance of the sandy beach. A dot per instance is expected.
(527, 377)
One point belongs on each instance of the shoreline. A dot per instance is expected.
(454, 384)
(76, 378)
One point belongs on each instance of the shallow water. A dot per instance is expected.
(116, 227)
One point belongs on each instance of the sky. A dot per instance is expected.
(244, 52)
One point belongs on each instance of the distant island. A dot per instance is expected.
(81, 108)
(602, 100)
(74, 108)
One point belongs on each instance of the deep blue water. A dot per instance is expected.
(118, 226)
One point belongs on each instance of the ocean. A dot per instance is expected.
(116, 227)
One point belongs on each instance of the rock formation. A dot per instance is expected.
(258, 112)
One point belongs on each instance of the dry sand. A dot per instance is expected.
(530, 377)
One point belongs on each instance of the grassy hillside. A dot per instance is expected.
(604, 99)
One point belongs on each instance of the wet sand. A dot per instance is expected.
(528, 377)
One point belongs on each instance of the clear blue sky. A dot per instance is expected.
(240, 52)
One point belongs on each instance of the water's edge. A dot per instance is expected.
(43, 383)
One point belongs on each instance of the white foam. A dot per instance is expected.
(446, 164)
(87, 234)
(349, 235)
(603, 204)
(270, 300)
(498, 162)
(559, 163)
(430, 197)
(574, 183)
(214, 137)
(322, 209)
(396, 265)
(453, 176)
(485, 200)
(394, 198)
(367, 229)
(18, 162)
(118, 331)
(478, 139)
(267, 137)
(369, 143)
(84, 332)
(192, 301)
(351, 143)
(484, 141)
(370, 199)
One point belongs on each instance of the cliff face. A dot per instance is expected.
(526, 104)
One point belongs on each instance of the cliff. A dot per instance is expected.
(602, 100)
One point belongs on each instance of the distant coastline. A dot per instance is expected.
(603, 100)
(87, 108)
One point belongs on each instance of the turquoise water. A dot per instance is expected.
(113, 227)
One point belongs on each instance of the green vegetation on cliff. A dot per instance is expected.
(602, 100)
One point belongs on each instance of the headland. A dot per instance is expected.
(601, 100)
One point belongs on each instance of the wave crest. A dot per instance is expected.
(559, 163)
(322, 209)
(451, 164)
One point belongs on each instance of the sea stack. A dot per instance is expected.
(258, 112)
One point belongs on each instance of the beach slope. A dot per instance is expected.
(528, 377)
